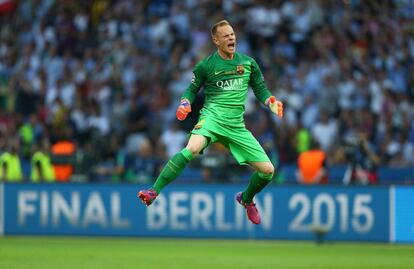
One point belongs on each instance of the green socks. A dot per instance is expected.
(172, 169)
(257, 182)
(177, 163)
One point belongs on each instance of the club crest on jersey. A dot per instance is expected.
(240, 69)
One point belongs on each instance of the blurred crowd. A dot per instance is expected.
(105, 77)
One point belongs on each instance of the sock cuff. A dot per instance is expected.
(265, 176)
(188, 155)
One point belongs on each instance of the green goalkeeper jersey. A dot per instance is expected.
(226, 83)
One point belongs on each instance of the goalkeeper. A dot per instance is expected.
(226, 77)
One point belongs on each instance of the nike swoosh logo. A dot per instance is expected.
(218, 72)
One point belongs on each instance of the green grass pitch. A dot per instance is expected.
(118, 253)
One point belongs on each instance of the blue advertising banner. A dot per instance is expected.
(347, 213)
(404, 214)
(1, 210)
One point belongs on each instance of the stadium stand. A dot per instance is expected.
(110, 72)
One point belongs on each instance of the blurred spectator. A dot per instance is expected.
(96, 123)
(173, 139)
(302, 139)
(362, 161)
(214, 164)
(42, 168)
(119, 113)
(110, 165)
(10, 166)
(325, 131)
(63, 157)
(312, 166)
(143, 165)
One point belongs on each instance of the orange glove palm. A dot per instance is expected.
(275, 106)
(183, 109)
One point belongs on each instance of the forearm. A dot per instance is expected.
(261, 92)
(190, 93)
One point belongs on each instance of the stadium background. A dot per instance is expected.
(107, 76)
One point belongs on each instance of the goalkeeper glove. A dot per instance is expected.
(275, 106)
(183, 109)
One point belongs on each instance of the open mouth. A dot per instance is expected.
(232, 45)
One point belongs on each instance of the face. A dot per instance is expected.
(225, 40)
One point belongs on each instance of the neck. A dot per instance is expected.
(226, 56)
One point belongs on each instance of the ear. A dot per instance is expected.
(215, 40)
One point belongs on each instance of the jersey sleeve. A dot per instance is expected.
(257, 83)
(197, 81)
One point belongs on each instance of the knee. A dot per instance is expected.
(196, 144)
(267, 169)
(194, 149)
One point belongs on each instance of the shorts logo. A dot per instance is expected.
(240, 69)
(199, 124)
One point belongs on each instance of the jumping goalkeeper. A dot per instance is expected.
(226, 77)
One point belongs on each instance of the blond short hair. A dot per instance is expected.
(217, 25)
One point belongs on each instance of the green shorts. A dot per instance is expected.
(240, 141)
